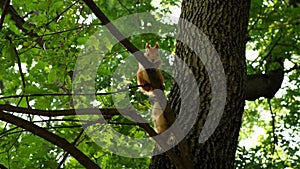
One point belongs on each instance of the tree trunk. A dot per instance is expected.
(225, 23)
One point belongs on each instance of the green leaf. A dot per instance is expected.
(52, 76)
(9, 54)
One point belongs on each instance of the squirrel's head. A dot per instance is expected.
(152, 53)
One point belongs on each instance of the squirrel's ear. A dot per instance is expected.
(147, 46)
(156, 45)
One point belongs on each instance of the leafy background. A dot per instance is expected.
(39, 46)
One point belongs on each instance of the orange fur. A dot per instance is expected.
(143, 79)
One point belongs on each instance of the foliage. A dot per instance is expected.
(38, 56)
(270, 133)
(38, 53)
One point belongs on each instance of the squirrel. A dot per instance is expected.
(143, 79)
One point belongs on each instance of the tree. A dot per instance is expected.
(219, 150)
(41, 41)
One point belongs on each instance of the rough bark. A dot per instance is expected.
(225, 22)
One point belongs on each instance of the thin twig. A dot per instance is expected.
(273, 115)
(21, 72)
(69, 94)
(70, 112)
(60, 14)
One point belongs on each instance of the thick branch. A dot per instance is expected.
(60, 142)
(263, 85)
(71, 112)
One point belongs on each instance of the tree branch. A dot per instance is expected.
(70, 112)
(275, 140)
(20, 22)
(60, 14)
(21, 72)
(168, 113)
(67, 154)
(4, 11)
(3, 167)
(92, 111)
(60, 142)
(118, 35)
(69, 94)
(263, 85)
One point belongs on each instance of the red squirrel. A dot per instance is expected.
(143, 79)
